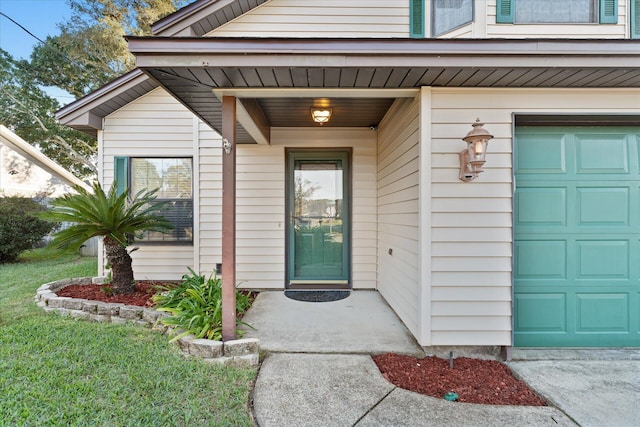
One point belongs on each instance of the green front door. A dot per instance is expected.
(318, 212)
(577, 237)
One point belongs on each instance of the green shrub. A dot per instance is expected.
(195, 306)
(20, 230)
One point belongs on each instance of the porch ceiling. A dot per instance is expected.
(347, 112)
(192, 68)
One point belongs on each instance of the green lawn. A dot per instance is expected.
(57, 371)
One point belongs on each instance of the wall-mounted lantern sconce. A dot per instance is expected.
(321, 115)
(472, 159)
(226, 146)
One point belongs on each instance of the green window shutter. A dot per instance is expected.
(635, 19)
(504, 11)
(416, 18)
(121, 173)
(608, 11)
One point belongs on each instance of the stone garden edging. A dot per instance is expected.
(241, 352)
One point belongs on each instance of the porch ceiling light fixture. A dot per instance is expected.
(321, 114)
(473, 157)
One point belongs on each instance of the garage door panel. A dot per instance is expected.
(577, 237)
(602, 259)
(602, 154)
(539, 206)
(603, 206)
(542, 154)
(635, 314)
(541, 260)
(597, 312)
(635, 143)
(541, 312)
(569, 339)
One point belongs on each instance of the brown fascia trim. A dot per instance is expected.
(486, 53)
(179, 15)
(450, 47)
(113, 88)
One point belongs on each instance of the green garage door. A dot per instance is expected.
(577, 237)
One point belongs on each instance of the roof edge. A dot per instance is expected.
(26, 150)
(381, 47)
(108, 88)
(179, 15)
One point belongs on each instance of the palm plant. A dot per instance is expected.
(114, 217)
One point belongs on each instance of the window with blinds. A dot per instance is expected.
(173, 178)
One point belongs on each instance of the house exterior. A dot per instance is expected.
(540, 250)
(26, 172)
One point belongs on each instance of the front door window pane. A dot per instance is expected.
(318, 222)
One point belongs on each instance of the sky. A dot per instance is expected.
(40, 17)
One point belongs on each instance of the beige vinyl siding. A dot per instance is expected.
(386, 19)
(210, 176)
(472, 222)
(398, 212)
(260, 193)
(152, 125)
(261, 204)
(560, 31)
(321, 18)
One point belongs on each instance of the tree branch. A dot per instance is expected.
(56, 139)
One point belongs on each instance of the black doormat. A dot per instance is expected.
(317, 296)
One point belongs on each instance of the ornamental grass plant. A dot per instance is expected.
(195, 305)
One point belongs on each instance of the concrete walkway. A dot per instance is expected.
(594, 393)
(347, 390)
(318, 372)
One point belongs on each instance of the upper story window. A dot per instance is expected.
(447, 15)
(557, 11)
(173, 179)
(553, 11)
(634, 18)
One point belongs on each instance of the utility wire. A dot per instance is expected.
(23, 28)
(56, 48)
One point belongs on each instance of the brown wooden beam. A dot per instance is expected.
(228, 218)
(254, 120)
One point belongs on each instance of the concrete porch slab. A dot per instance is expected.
(361, 323)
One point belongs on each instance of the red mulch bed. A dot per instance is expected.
(475, 381)
(141, 297)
